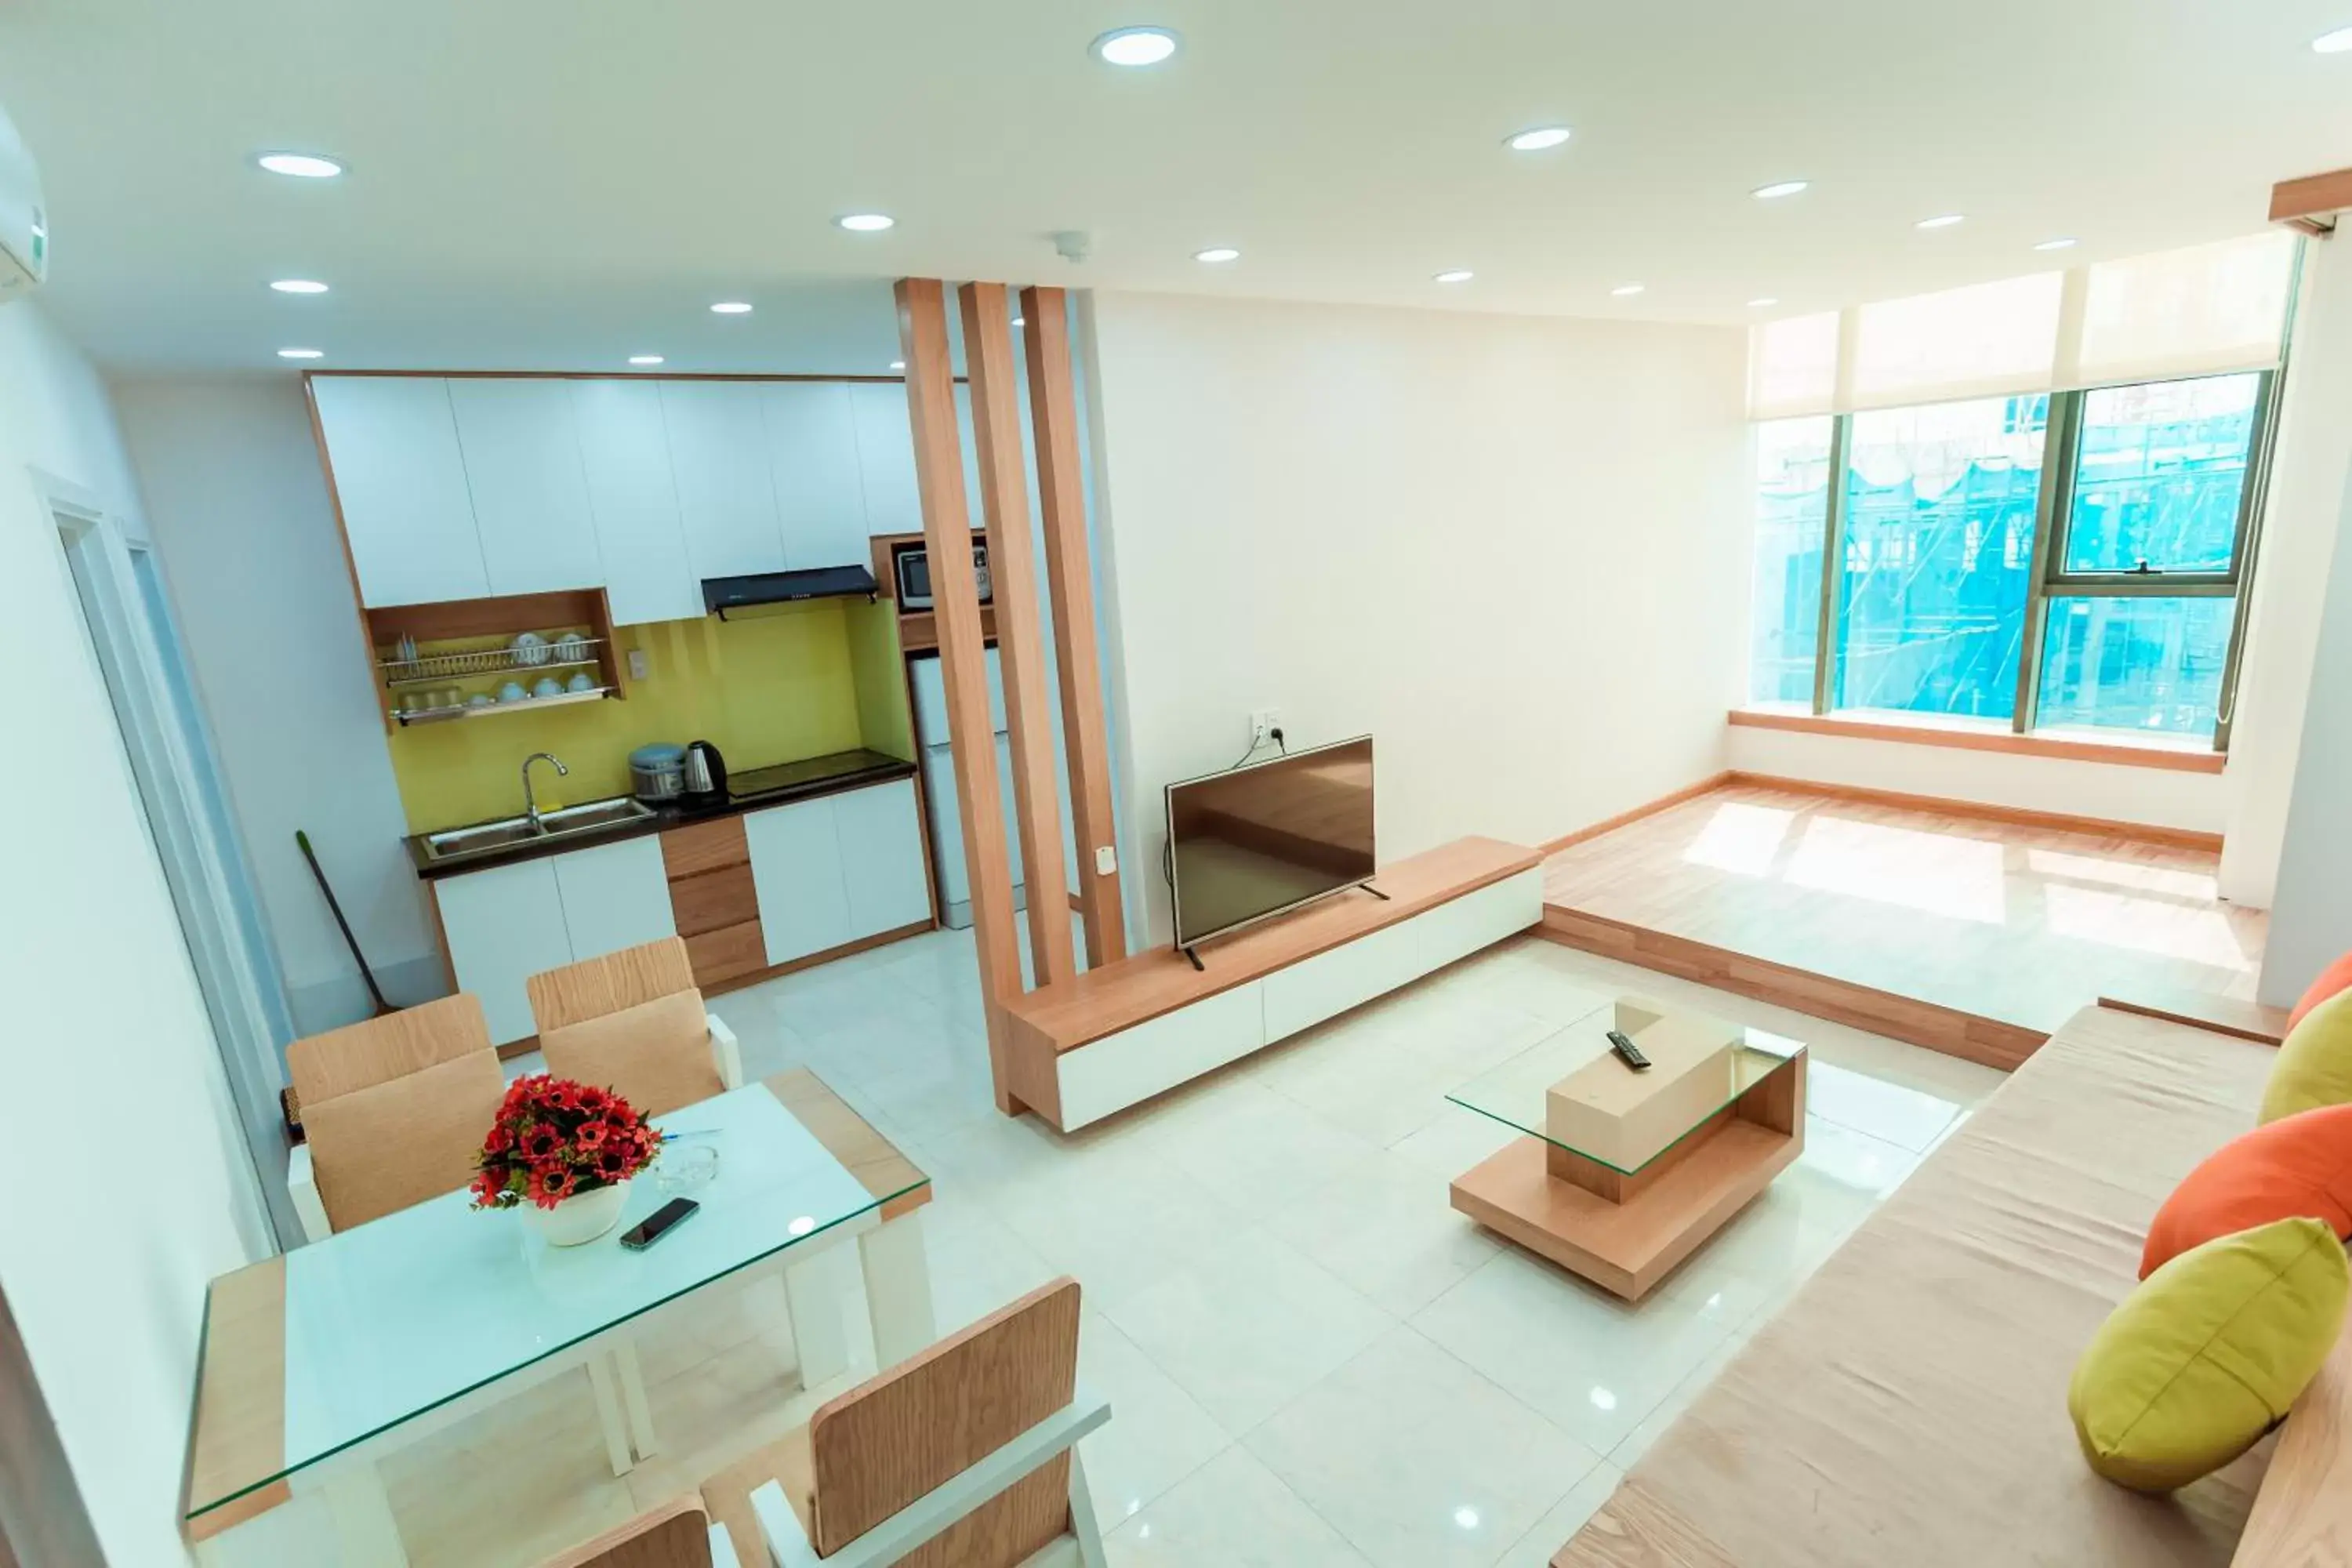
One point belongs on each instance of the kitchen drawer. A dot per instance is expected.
(730, 953)
(705, 846)
(715, 899)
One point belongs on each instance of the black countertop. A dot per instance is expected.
(752, 789)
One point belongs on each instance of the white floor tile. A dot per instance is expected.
(1232, 1513)
(1388, 1231)
(1157, 1433)
(1908, 1118)
(1555, 1529)
(1246, 1326)
(1417, 1460)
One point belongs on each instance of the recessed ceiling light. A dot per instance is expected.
(302, 353)
(2056, 245)
(1536, 139)
(644, 359)
(2336, 43)
(1135, 46)
(897, 365)
(299, 286)
(1946, 221)
(1627, 290)
(866, 223)
(1457, 275)
(731, 308)
(1217, 253)
(301, 165)
(1774, 192)
(1764, 304)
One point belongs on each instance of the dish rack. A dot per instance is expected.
(487, 710)
(437, 667)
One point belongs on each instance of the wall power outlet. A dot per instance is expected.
(1264, 722)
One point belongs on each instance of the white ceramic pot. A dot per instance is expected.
(580, 1218)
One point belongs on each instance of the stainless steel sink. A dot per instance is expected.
(572, 822)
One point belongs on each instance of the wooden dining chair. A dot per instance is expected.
(394, 1111)
(961, 1457)
(633, 1022)
(679, 1534)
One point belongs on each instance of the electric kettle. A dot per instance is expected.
(706, 775)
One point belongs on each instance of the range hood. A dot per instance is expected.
(721, 594)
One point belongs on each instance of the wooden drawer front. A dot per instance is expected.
(705, 846)
(714, 901)
(728, 953)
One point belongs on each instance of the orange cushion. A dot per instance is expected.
(2299, 1167)
(2332, 979)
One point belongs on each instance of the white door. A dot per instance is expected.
(881, 834)
(521, 444)
(797, 874)
(504, 925)
(725, 497)
(886, 457)
(813, 457)
(615, 896)
(634, 501)
(400, 478)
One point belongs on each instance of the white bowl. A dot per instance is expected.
(529, 648)
(570, 647)
(512, 691)
(547, 685)
(580, 682)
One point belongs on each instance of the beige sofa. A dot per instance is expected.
(1908, 1407)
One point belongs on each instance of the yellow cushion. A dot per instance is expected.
(2209, 1354)
(656, 1054)
(2314, 1062)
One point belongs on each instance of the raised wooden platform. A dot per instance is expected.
(1262, 983)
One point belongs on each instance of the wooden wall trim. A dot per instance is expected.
(1020, 641)
(2311, 203)
(947, 530)
(1626, 818)
(1069, 579)
(2122, 754)
(2064, 822)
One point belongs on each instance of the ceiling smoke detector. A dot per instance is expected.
(1073, 245)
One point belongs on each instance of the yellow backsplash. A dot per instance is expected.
(768, 688)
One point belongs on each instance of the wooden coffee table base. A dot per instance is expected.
(1684, 1196)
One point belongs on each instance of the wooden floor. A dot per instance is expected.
(1960, 933)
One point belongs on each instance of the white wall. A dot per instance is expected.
(2157, 797)
(1515, 550)
(238, 503)
(2291, 579)
(132, 1186)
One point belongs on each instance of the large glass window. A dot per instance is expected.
(1937, 556)
(2136, 662)
(1792, 511)
(2161, 475)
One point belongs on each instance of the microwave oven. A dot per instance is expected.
(911, 564)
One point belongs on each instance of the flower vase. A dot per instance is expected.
(582, 1217)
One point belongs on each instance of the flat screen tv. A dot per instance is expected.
(1256, 841)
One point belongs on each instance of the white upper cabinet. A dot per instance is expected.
(400, 480)
(886, 457)
(726, 496)
(812, 458)
(522, 445)
(634, 501)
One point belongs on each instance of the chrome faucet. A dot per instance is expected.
(529, 802)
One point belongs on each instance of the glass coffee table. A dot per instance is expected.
(1622, 1175)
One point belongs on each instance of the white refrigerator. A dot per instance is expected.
(939, 787)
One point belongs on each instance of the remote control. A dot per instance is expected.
(1624, 1047)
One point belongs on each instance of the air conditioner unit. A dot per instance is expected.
(23, 222)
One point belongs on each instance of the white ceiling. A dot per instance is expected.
(559, 184)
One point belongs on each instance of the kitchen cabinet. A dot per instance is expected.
(632, 500)
(503, 926)
(796, 867)
(726, 492)
(880, 832)
(400, 482)
(886, 457)
(521, 440)
(813, 459)
(615, 896)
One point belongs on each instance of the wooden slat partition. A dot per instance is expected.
(1020, 642)
(1069, 580)
(955, 593)
(2311, 204)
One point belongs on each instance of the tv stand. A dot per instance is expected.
(1081, 1049)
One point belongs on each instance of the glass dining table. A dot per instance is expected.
(317, 1362)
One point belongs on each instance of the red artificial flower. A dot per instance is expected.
(592, 1135)
(594, 1101)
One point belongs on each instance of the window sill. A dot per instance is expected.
(2071, 745)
